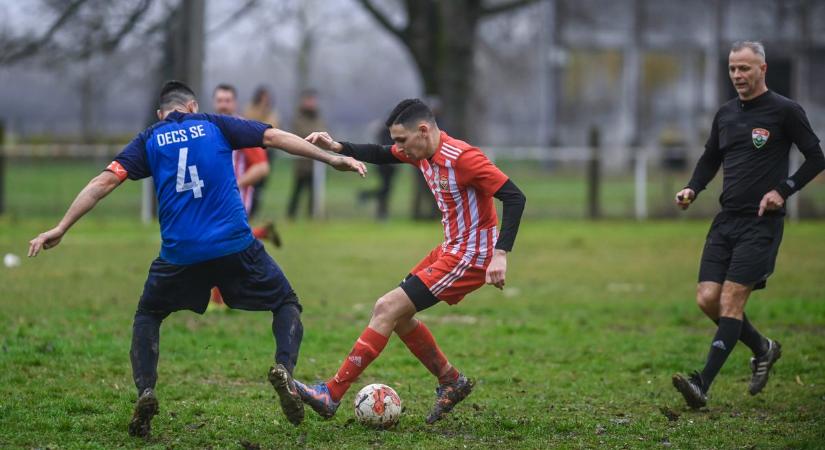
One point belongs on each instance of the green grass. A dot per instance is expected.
(43, 188)
(577, 352)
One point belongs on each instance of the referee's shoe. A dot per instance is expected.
(761, 366)
(691, 389)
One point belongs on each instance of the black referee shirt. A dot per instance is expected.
(752, 139)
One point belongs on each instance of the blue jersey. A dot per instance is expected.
(190, 158)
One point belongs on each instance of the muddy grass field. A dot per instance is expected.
(576, 352)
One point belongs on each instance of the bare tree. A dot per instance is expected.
(79, 30)
(441, 37)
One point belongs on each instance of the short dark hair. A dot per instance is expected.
(408, 112)
(226, 87)
(175, 93)
(259, 94)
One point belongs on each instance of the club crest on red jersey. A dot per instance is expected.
(760, 137)
(444, 182)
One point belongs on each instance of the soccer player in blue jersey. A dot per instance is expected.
(206, 238)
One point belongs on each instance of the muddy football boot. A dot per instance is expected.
(691, 389)
(448, 395)
(285, 388)
(317, 396)
(146, 407)
(761, 367)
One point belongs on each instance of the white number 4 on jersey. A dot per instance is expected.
(196, 184)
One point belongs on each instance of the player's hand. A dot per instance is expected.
(45, 241)
(347, 164)
(497, 270)
(684, 198)
(770, 202)
(323, 140)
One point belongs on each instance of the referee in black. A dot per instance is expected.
(751, 138)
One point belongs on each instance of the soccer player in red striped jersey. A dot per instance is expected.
(464, 183)
(251, 164)
(251, 167)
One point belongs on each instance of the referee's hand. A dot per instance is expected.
(770, 202)
(684, 198)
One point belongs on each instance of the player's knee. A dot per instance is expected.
(707, 298)
(383, 309)
(732, 303)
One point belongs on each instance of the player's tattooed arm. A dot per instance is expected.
(99, 187)
(293, 144)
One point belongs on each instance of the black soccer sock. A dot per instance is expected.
(145, 349)
(726, 336)
(288, 332)
(750, 337)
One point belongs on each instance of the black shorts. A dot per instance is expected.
(249, 279)
(741, 249)
(418, 292)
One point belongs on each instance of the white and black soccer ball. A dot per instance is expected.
(378, 405)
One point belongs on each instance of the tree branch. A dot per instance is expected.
(505, 7)
(131, 22)
(232, 18)
(382, 19)
(30, 48)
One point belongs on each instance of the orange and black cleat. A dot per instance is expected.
(317, 396)
(448, 395)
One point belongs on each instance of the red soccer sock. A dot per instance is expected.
(365, 350)
(422, 344)
(260, 232)
(216, 298)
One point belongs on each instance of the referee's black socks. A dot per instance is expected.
(726, 336)
(751, 337)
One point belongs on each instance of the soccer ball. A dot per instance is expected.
(378, 405)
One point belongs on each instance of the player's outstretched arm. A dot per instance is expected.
(293, 144)
(325, 141)
(513, 201)
(371, 153)
(99, 187)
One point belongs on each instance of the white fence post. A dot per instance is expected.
(640, 177)
(319, 185)
(146, 203)
(793, 201)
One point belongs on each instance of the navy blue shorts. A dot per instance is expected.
(249, 279)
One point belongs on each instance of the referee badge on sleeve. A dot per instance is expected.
(760, 137)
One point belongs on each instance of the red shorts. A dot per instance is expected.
(449, 277)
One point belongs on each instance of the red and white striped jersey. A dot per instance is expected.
(242, 160)
(463, 182)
